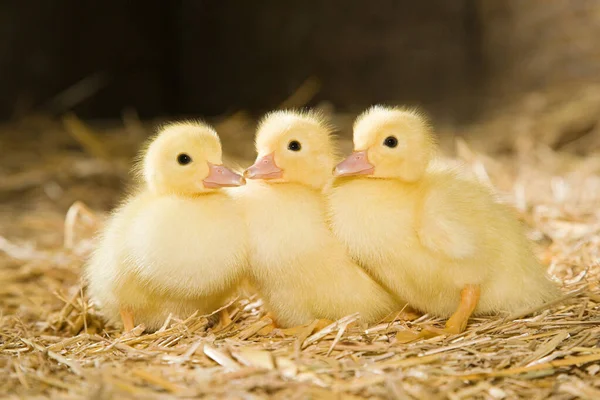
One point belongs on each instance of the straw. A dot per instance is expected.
(55, 343)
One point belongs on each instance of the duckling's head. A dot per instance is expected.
(390, 143)
(293, 147)
(185, 159)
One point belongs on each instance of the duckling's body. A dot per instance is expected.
(159, 256)
(426, 259)
(301, 271)
(168, 252)
(435, 237)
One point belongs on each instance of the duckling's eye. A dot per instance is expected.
(390, 142)
(294, 145)
(184, 159)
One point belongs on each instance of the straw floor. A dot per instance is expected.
(54, 344)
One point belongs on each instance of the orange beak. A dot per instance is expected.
(356, 163)
(219, 176)
(264, 168)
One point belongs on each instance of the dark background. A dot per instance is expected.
(456, 58)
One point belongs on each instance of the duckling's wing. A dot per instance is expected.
(451, 218)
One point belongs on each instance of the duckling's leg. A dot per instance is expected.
(315, 326)
(272, 325)
(323, 323)
(469, 297)
(127, 318)
(271, 316)
(294, 330)
(224, 320)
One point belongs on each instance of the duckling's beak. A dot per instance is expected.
(219, 176)
(357, 163)
(264, 168)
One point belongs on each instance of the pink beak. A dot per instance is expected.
(264, 168)
(219, 176)
(356, 163)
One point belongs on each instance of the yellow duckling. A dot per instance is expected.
(179, 244)
(301, 271)
(433, 237)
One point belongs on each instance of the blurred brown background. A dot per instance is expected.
(84, 83)
(458, 59)
(513, 89)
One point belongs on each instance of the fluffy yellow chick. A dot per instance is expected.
(433, 237)
(179, 244)
(300, 270)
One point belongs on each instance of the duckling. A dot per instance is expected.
(300, 270)
(432, 236)
(179, 243)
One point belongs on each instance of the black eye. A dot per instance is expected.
(390, 141)
(294, 145)
(184, 159)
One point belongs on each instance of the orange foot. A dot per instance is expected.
(469, 297)
(408, 314)
(323, 323)
(127, 318)
(224, 320)
(301, 330)
(269, 328)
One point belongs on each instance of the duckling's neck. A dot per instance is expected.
(183, 195)
(407, 185)
(295, 186)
